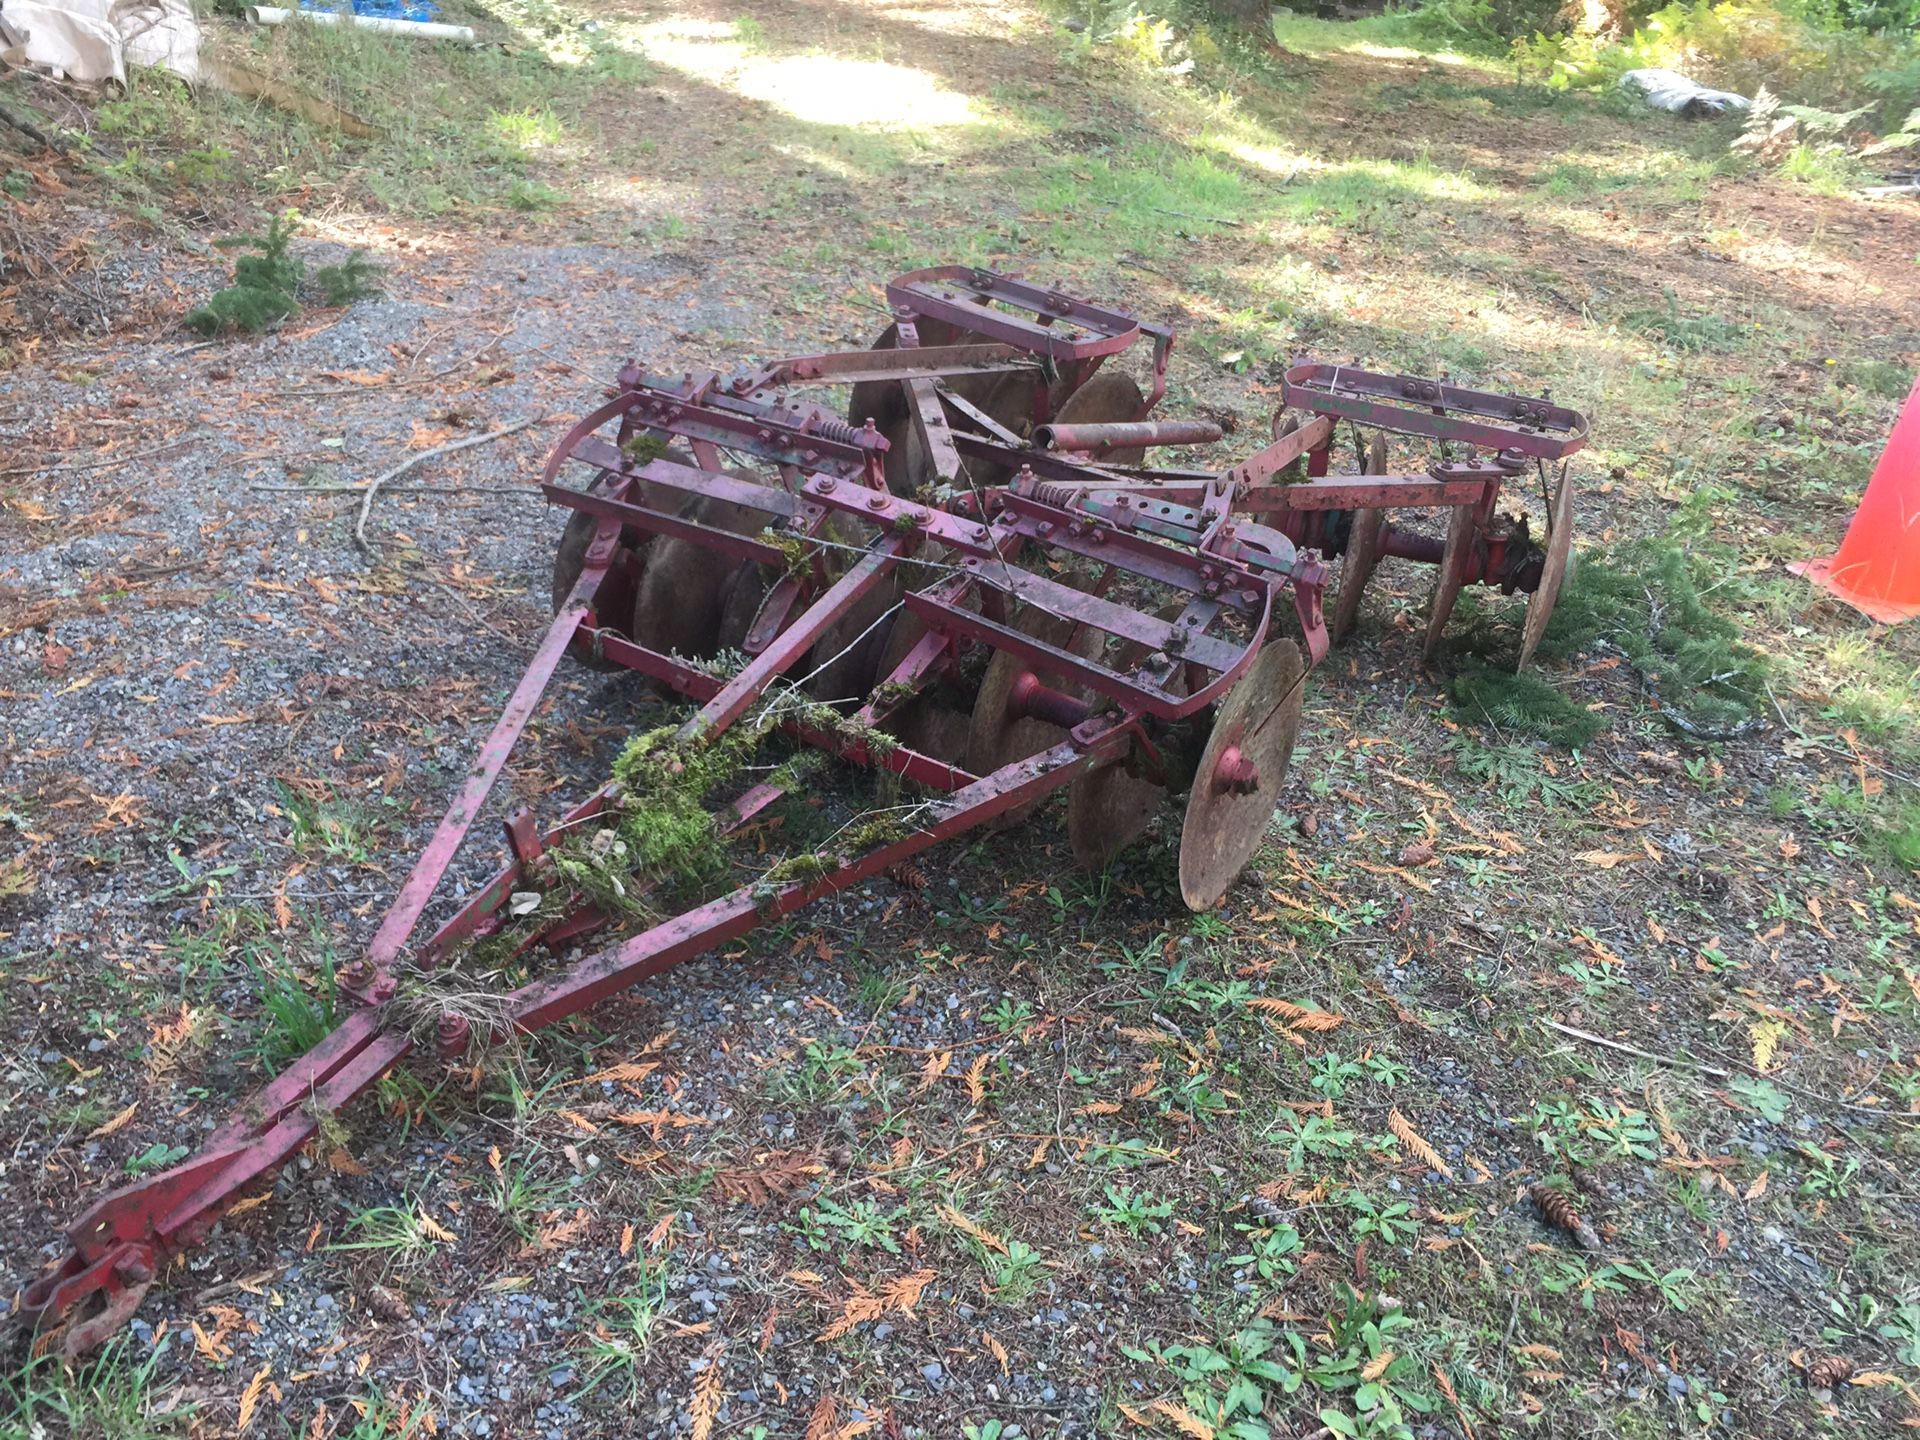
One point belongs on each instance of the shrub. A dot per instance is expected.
(1744, 46)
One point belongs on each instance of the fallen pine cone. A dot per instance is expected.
(387, 1305)
(1829, 1372)
(1557, 1210)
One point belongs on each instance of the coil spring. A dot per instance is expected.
(838, 431)
(1056, 493)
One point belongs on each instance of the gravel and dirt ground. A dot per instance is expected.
(991, 1148)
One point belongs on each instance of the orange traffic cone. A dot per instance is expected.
(1878, 568)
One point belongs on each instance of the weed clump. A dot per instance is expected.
(1646, 606)
(267, 284)
(1523, 703)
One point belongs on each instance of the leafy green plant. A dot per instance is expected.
(1270, 1250)
(1392, 1222)
(1013, 1275)
(827, 1223)
(1594, 980)
(1132, 1211)
(823, 1067)
(1330, 1075)
(1234, 1380)
(1314, 1135)
(1902, 1329)
(1763, 1095)
(1374, 1360)
(1009, 1015)
(1624, 1132)
(156, 1156)
(1828, 1179)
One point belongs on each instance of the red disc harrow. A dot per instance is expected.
(967, 578)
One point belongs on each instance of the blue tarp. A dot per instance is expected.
(384, 9)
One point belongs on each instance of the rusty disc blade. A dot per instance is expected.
(1223, 829)
(571, 554)
(924, 723)
(996, 736)
(680, 603)
(880, 401)
(1362, 552)
(1451, 576)
(1107, 808)
(1553, 573)
(615, 595)
(746, 592)
(885, 401)
(620, 588)
(845, 660)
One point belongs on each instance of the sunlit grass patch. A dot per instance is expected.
(817, 87)
(1085, 204)
(1388, 36)
(532, 127)
(1377, 189)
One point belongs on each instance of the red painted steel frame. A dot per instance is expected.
(1184, 530)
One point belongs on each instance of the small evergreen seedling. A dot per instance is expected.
(354, 278)
(266, 284)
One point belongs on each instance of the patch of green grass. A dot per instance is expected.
(376, 1417)
(109, 1397)
(623, 1329)
(296, 1016)
(521, 1197)
(328, 829)
(455, 128)
(530, 128)
(1883, 378)
(1390, 35)
(1685, 332)
(532, 197)
(1826, 169)
(402, 1233)
(1645, 601)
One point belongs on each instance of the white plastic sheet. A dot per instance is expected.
(94, 41)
